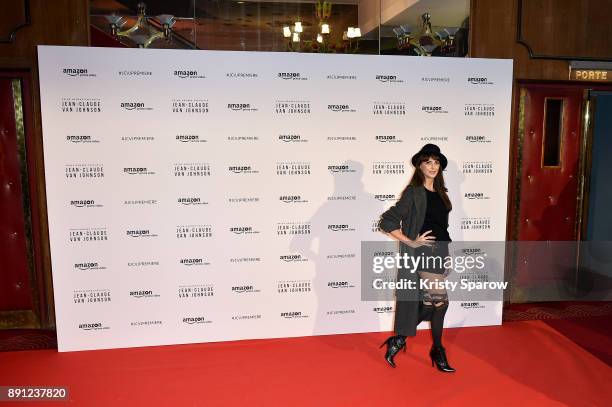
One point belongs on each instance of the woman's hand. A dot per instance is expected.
(422, 240)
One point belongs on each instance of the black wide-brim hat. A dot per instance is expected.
(430, 149)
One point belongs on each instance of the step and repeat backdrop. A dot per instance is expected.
(198, 196)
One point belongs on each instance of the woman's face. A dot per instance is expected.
(430, 167)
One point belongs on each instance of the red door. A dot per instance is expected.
(550, 154)
(544, 196)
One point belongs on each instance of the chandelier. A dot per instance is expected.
(350, 37)
(426, 43)
(144, 31)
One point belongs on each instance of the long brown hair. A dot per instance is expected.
(418, 179)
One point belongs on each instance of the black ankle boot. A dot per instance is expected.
(394, 345)
(438, 355)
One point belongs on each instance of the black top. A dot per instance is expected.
(436, 217)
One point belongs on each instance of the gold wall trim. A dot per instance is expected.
(19, 319)
(519, 162)
(584, 165)
(515, 296)
(23, 318)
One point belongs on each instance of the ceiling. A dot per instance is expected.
(257, 25)
(229, 25)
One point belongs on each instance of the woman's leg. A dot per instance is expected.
(435, 301)
(435, 294)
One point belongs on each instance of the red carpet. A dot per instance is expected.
(525, 362)
(593, 334)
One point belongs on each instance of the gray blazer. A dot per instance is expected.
(408, 213)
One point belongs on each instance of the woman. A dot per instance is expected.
(419, 221)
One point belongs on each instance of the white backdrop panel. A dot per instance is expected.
(199, 196)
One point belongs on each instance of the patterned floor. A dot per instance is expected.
(556, 310)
